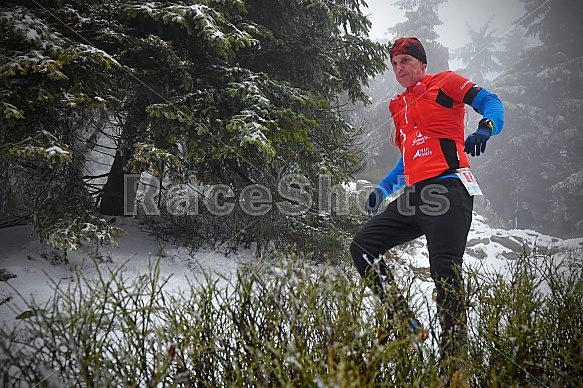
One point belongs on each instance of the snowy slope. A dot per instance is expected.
(32, 263)
(488, 250)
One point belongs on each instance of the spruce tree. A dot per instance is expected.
(53, 86)
(538, 157)
(422, 20)
(198, 92)
(480, 57)
(514, 44)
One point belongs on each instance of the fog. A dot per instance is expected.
(454, 14)
(537, 158)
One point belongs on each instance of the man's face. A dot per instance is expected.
(408, 70)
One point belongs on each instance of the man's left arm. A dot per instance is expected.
(490, 107)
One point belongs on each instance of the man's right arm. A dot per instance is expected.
(393, 181)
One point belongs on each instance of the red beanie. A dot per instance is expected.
(411, 46)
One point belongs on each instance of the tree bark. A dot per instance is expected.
(113, 196)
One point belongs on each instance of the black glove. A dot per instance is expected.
(476, 142)
(374, 201)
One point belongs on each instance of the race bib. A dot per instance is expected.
(469, 181)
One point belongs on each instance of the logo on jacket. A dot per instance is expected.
(465, 84)
(422, 152)
(419, 139)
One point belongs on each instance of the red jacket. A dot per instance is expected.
(429, 122)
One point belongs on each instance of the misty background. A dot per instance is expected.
(519, 50)
(454, 14)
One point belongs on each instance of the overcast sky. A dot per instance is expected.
(454, 14)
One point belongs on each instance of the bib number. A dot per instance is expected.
(469, 181)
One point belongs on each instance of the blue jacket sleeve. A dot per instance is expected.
(394, 180)
(489, 105)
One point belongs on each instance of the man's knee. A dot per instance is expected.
(446, 268)
(359, 256)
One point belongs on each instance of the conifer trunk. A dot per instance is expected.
(113, 196)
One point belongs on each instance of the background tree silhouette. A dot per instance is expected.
(514, 43)
(539, 157)
(422, 18)
(557, 23)
(480, 58)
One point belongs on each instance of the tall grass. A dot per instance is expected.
(528, 324)
(282, 322)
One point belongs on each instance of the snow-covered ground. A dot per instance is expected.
(27, 265)
(29, 268)
(488, 250)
